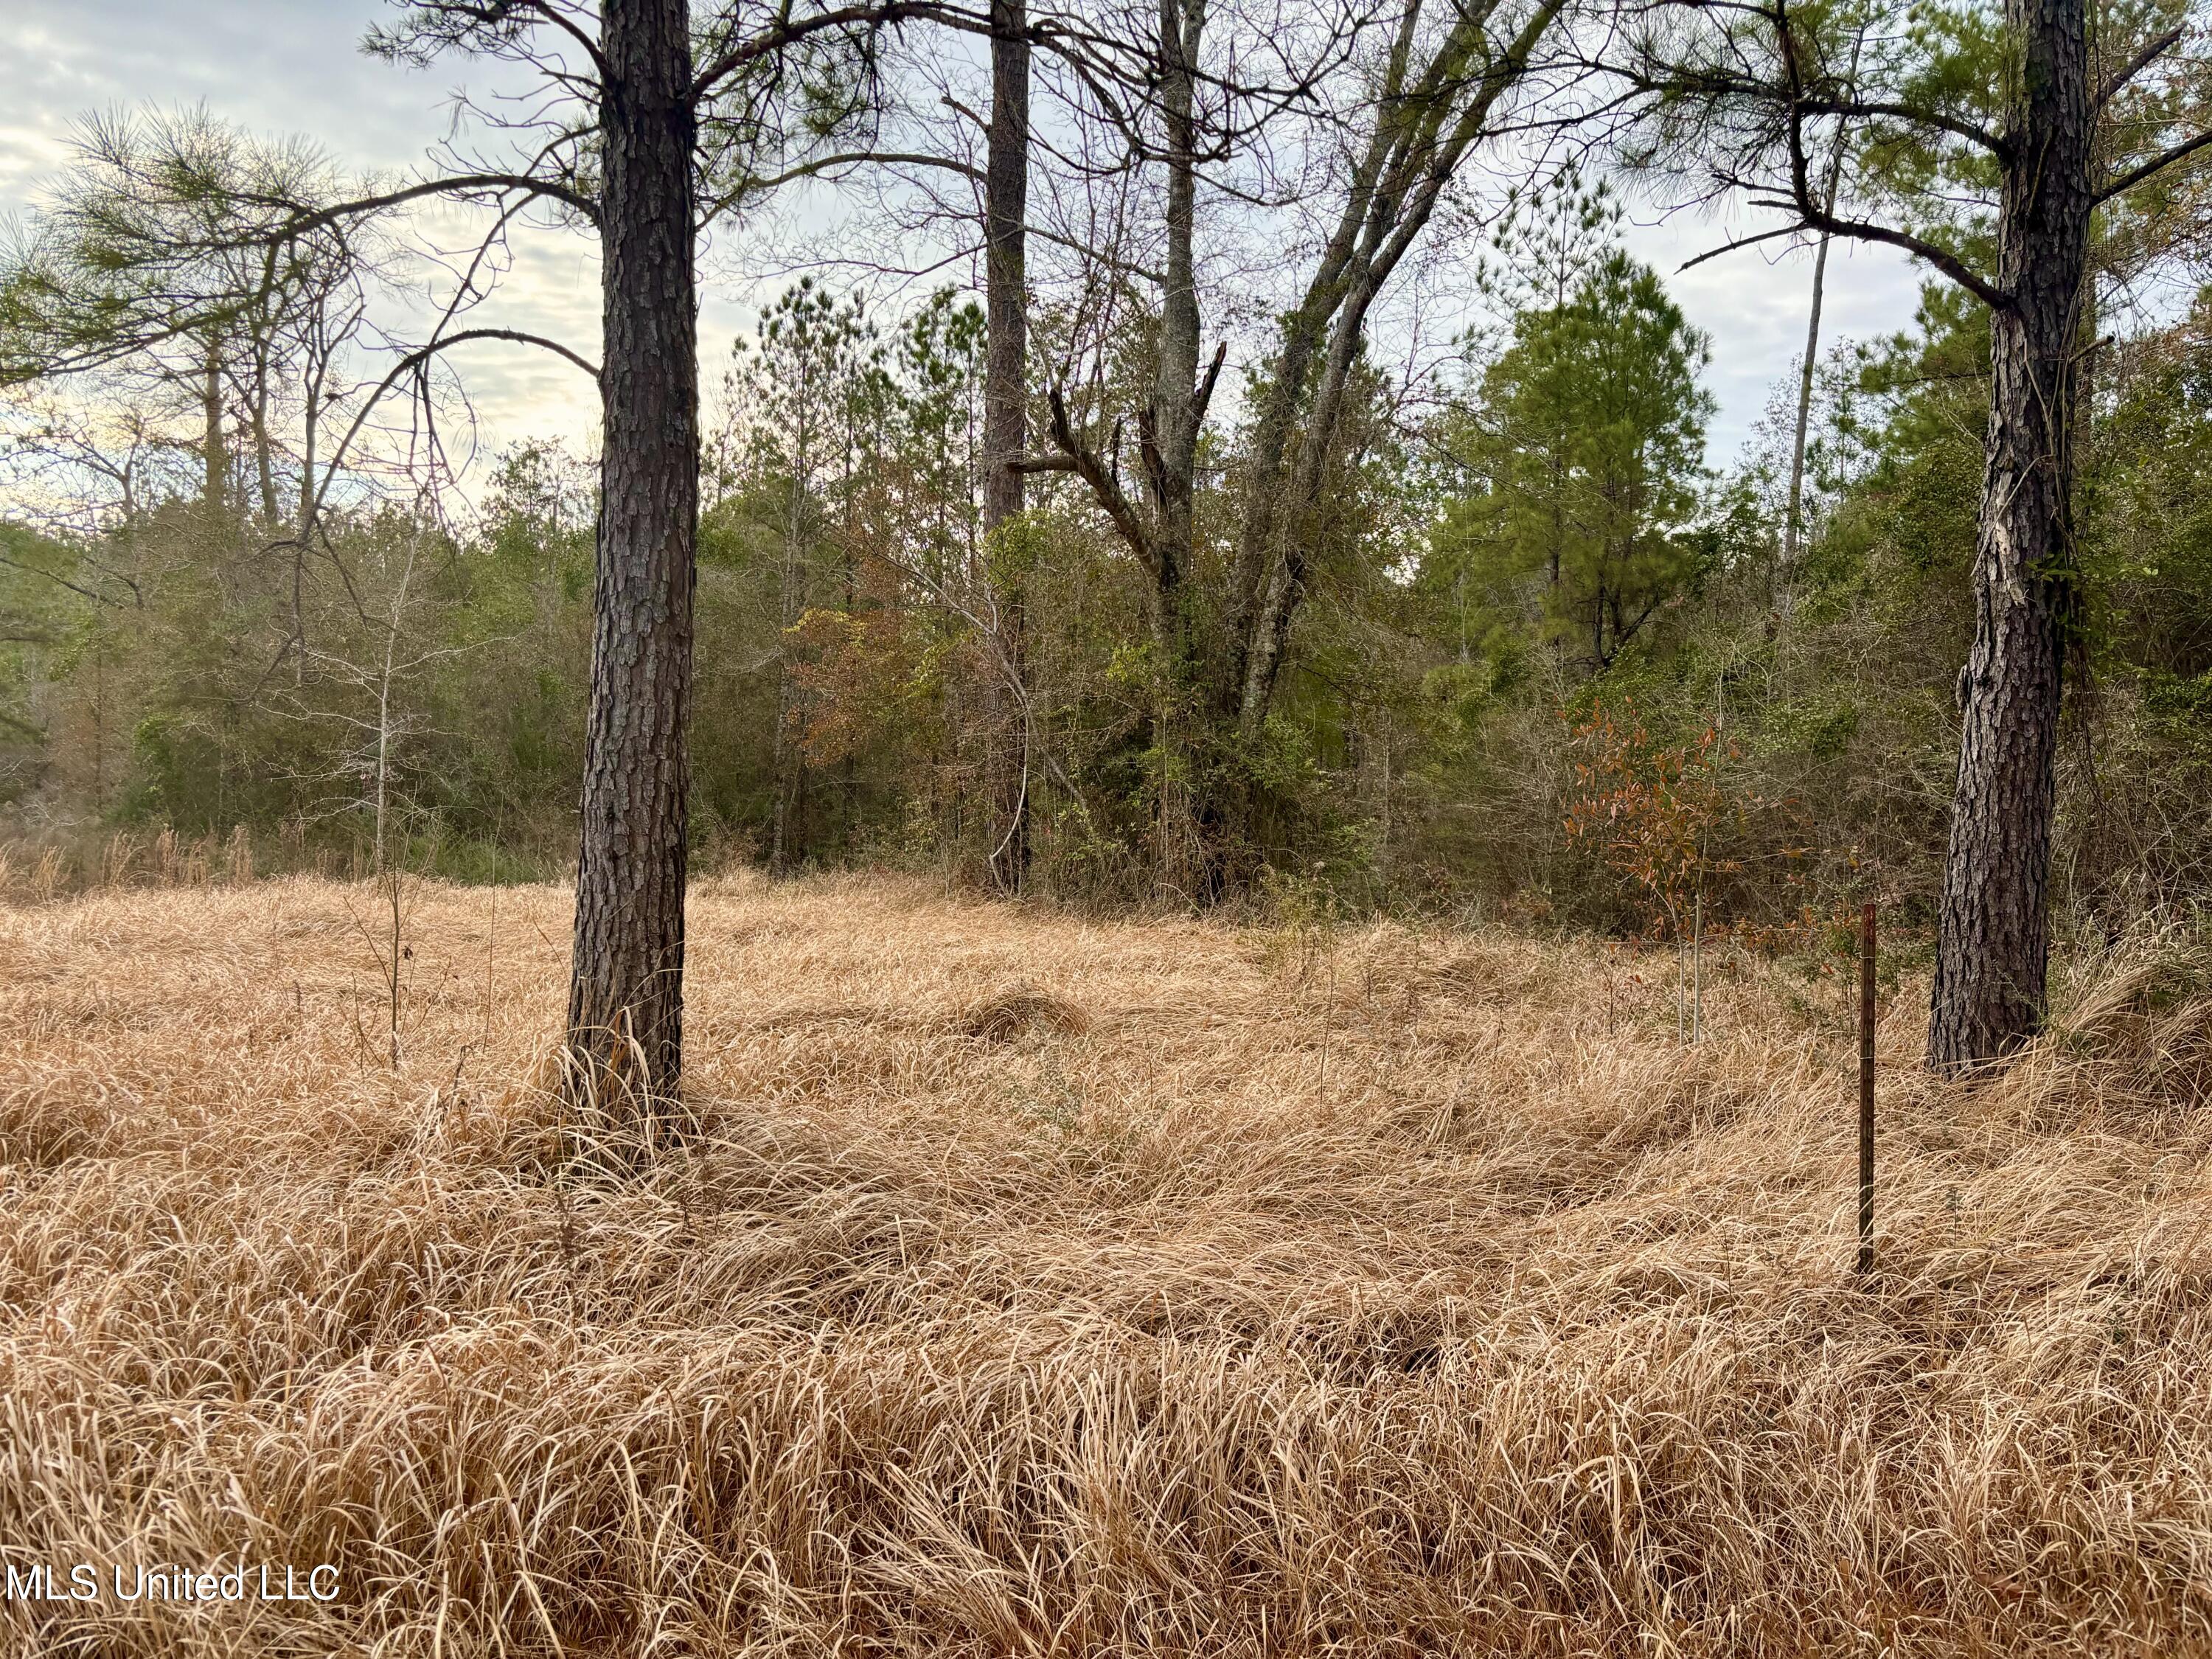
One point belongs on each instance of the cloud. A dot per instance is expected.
(1754, 302)
(294, 67)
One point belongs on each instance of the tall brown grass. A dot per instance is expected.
(1042, 1286)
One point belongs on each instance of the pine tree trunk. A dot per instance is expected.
(626, 984)
(265, 464)
(1994, 928)
(788, 760)
(1005, 410)
(215, 464)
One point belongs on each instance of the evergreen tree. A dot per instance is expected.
(1587, 439)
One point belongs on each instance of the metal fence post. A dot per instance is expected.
(1866, 1090)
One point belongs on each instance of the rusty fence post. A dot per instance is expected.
(1866, 1090)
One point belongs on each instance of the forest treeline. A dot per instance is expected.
(1026, 582)
(1545, 542)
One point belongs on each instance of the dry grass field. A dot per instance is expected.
(1042, 1286)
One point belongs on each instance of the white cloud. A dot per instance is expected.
(293, 66)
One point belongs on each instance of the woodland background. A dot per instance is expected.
(1556, 661)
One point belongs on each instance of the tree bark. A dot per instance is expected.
(626, 992)
(264, 465)
(215, 465)
(1005, 434)
(1993, 942)
(1170, 432)
(788, 759)
(1168, 428)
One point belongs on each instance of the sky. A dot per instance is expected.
(281, 67)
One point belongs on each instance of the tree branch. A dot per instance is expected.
(1858, 230)
(1741, 242)
(789, 32)
(1958, 126)
(1085, 462)
(1206, 389)
(856, 157)
(460, 184)
(96, 597)
(2134, 66)
(2158, 163)
(412, 361)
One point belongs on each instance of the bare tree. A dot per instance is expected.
(1403, 128)
(1157, 524)
(376, 666)
(1438, 98)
